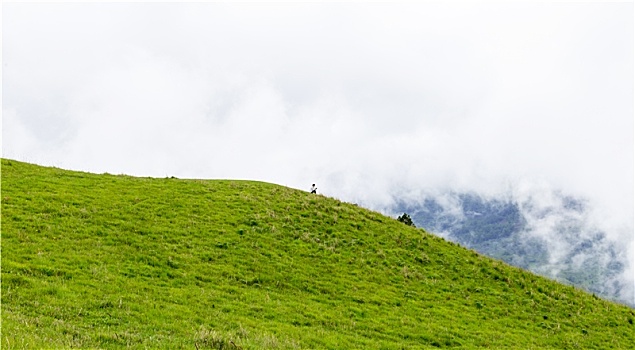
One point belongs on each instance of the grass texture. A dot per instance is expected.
(104, 261)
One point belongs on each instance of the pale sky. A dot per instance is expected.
(366, 100)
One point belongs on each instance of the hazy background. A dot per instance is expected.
(371, 102)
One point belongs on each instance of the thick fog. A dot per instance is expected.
(368, 101)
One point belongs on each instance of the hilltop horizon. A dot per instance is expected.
(109, 261)
(557, 212)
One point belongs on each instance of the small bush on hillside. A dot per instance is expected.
(405, 218)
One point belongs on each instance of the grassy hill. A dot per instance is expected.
(103, 261)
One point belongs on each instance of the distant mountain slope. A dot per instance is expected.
(499, 228)
(102, 261)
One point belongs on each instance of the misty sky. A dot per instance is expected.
(365, 100)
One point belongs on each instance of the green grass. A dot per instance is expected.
(103, 261)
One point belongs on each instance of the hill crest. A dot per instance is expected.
(108, 261)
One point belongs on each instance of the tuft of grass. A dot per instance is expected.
(103, 261)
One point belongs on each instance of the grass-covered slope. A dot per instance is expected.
(102, 261)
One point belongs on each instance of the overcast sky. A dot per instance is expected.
(364, 100)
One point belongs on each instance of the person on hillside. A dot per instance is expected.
(313, 189)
